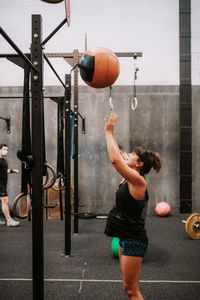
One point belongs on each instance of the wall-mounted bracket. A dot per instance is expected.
(7, 123)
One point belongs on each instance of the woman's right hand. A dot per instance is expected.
(110, 123)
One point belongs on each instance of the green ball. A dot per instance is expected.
(115, 246)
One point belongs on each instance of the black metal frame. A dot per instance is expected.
(37, 193)
(76, 200)
(67, 166)
(37, 152)
(185, 107)
(36, 65)
(60, 149)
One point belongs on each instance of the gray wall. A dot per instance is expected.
(154, 125)
(195, 148)
(12, 108)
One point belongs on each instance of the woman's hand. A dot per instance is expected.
(110, 123)
(13, 171)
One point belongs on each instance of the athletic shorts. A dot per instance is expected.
(3, 192)
(130, 247)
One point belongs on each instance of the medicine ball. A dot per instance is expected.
(162, 209)
(52, 1)
(99, 67)
(115, 246)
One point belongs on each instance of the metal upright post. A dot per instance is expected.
(37, 169)
(76, 218)
(67, 166)
(185, 107)
(60, 150)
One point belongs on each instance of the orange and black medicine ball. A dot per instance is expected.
(99, 67)
(52, 1)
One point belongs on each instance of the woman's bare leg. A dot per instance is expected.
(131, 269)
(120, 254)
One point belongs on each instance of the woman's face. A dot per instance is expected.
(132, 160)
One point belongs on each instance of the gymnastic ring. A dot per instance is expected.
(61, 184)
(53, 178)
(111, 104)
(46, 178)
(15, 202)
(134, 103)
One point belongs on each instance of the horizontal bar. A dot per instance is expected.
(71, 55)
(9, 55)
(4, 34)
(129, 54)
(20, 96)
(62, 54)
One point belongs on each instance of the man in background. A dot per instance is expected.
(4, 171)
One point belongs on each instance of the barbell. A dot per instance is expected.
(192, 226)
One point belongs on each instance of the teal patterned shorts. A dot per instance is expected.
(131, 247)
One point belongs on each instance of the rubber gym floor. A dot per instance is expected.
(170, 269)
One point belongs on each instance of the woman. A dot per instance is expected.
(127, 219)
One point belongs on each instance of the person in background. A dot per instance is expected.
(126, 220)
(4, 171)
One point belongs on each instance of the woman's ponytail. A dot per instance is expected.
(157, 164)
(149, 158)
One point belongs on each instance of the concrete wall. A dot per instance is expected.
(154, 125)
(196, 147)
(12, 108)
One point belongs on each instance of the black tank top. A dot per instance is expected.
(127, 218)
(3, 172)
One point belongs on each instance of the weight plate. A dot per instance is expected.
(192, 226)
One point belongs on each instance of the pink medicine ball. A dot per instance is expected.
(162, 209)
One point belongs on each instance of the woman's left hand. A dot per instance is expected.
(110, 123)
